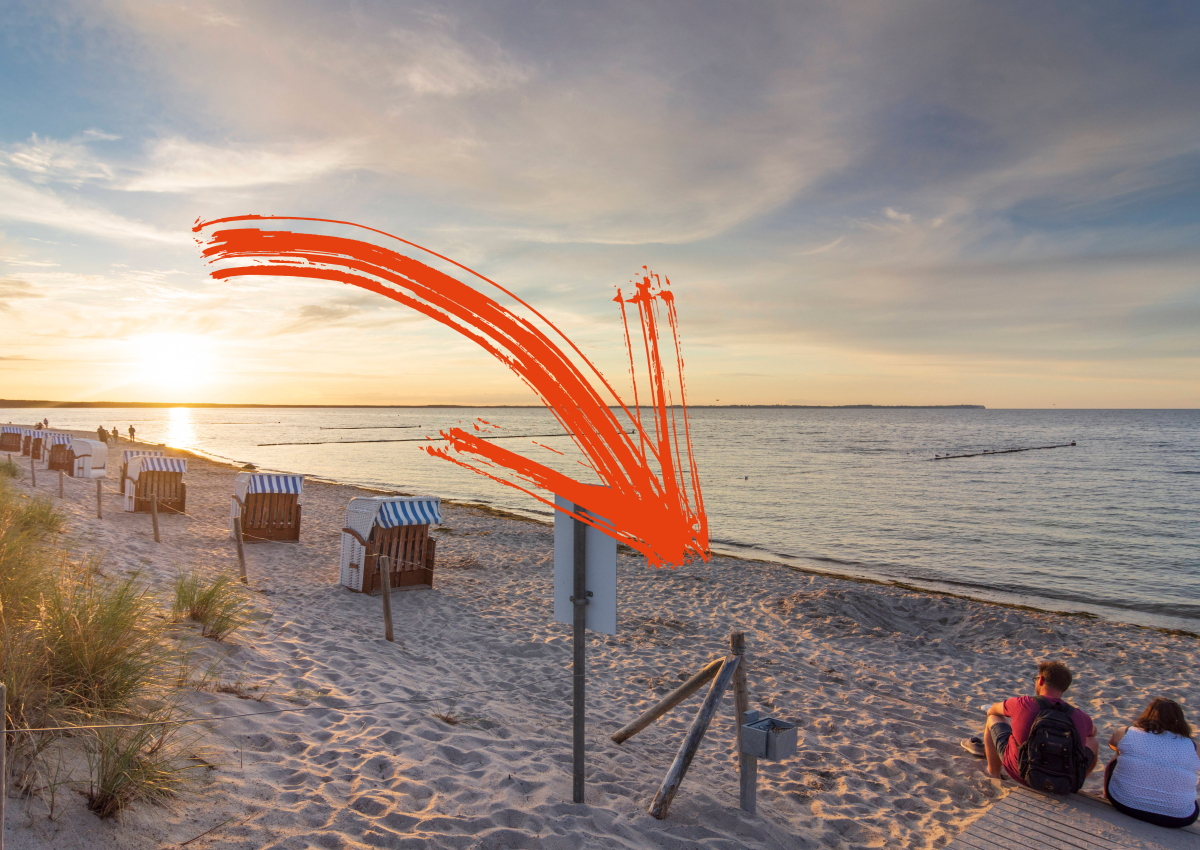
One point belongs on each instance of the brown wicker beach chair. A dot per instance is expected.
(156, 477)
(395, 527)
(268, 506)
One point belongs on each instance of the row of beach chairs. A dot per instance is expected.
(268, 506)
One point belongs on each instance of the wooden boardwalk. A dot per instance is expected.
(1080, 822)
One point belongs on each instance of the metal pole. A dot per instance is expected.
(580, 601)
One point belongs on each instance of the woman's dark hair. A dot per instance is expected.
(1164, 715)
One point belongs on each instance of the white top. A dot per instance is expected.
(1156, 772)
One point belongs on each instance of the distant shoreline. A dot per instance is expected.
(18, 404)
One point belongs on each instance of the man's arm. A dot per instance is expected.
(996, 709)
(1093, 746)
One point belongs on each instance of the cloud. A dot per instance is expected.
(432, 62)
(68, 162)
(315, 316)
(180, 165)
(20, 201)
(15, 290)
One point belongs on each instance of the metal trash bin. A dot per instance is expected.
(768, 737)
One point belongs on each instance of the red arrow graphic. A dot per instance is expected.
(651, 494)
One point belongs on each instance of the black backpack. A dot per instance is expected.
(1053, 757)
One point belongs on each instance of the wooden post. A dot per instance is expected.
(669, 701)
(579, 600)
(99, 509)
(385, 579)
(241, 549)
(153, 514)
(747, 764)
(60, 484)
(687, 750)
(3, 760)
(32, 471)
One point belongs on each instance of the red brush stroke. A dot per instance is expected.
(661, 514)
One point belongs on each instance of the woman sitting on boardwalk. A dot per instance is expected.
(1153, 778)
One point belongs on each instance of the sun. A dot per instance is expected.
(174, 361)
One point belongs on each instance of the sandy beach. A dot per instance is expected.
(882, 681)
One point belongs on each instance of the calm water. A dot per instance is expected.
(1110, 526)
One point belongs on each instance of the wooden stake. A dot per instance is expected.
(241, 550)
(669, 701)
(60, 484)
(153, 514)
(385, 579)
(691, 743)
(32, 471)
(3, 761)
(747, 764)
(579, 600)
(99, 510)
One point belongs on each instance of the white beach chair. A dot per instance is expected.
(268, 506)
(392, 526)
(90, 458)
(160, 478)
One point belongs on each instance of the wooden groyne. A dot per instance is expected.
(1005, 451)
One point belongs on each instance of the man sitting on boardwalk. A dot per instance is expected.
(1009, 726)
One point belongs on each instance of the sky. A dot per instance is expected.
(855, 203)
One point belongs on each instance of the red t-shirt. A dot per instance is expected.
(1022, 711)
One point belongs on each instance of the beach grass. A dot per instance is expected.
(219, 605)
(143, 763)
(79, 648)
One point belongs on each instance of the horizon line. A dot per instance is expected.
(18, 404)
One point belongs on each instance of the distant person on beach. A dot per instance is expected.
(131, 433)
(1153, 777)
(116, 435)
(1040, 741)
(102, 435)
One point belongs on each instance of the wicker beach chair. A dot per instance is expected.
(132, 453)
(268, 506)
(393, 526)
(156, 477)
(10, 438)
(26, 441)
(61, 456)
(37, 445)
(89, 459)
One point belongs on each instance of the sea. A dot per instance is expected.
(1107, 523)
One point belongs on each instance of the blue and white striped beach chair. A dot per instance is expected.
(268, 506)
(159, 478)
(393, 526)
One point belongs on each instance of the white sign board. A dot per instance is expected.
(601, 573)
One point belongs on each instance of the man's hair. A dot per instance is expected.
(1056, 675)
(1164, 715)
